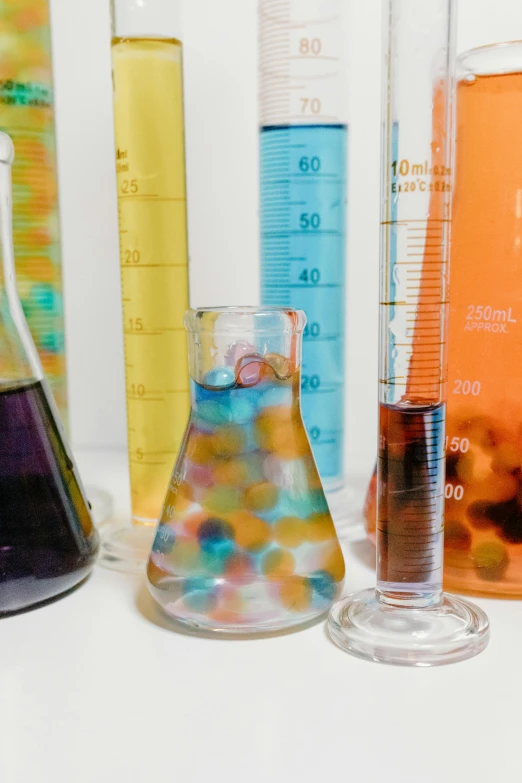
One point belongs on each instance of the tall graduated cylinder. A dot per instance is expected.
(150, 163)
(416, 201)
(483, 524)
(407, 619)
(27, 114)
(303, 149)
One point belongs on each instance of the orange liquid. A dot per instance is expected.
(484, 426)
(483, 528)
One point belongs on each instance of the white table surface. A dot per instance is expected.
(96, 687)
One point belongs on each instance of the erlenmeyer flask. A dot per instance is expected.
(246, 543)
(47, 540)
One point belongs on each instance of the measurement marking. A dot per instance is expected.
(145, 399)
(315, 57)
(405, 222)
(142, 332)
(153, 266)
(142, 462)
(142, 197)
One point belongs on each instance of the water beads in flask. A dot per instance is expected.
(246, 543)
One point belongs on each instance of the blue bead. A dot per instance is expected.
(216, 537)
(212, 412)
(220, 377)
(242, 409)
(199, 594)
(324, 584)
(44, 295)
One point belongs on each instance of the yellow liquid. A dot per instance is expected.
(150, 164)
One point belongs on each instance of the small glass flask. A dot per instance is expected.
(246, 542)
(47, 540)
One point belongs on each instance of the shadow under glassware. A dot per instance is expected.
(246, 543)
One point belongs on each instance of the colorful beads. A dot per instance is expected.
(261, 497)
(220, 377)
(278, 564)
(246, 527)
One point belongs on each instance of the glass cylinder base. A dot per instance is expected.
(100, 503)
(452, 631)
(124, 546)
(348, 521)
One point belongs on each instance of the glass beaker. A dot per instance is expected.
(47, 540)
(483, 488)
(484, 427)
(246, 543)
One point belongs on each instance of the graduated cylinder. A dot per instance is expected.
(417, 170)
(303, 151)
(150, 163)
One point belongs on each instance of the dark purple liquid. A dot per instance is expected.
(47, 540)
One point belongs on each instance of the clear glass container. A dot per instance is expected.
(483, 488)
(303, 213)
(246, 542)
(47, 540)
(27, 114)
(149, 132)
(407, 619)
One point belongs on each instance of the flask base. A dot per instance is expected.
(214, 606)
(348, 521)
(125, 546)
(365, 627)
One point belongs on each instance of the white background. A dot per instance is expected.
(96, 687)
(220, 44)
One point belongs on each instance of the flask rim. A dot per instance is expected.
(490, 60)
(259, 319)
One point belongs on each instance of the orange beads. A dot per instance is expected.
(278, 564)
(261, 497)
(290, 532)
(251, 532)
(296, 593)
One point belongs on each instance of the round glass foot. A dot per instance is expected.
(347, 518)
(125, 547)
(364, 626)
(101, 504)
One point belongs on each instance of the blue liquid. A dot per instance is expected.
(303, 248)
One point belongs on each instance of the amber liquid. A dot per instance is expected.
(483, 491)
(150, 164)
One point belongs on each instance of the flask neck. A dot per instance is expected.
(228, 346)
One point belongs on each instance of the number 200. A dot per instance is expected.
(467, 387)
